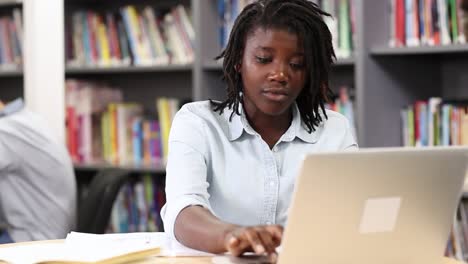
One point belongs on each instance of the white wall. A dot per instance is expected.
(44, 73)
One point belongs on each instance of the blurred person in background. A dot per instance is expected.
(37, 182)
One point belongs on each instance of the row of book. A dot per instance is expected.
(435, 123)
(426, 22)
(101, 128)
(137, 207)
(133, 36)
(11, 40)
(343, 104)
(341, 25)
(457, 245)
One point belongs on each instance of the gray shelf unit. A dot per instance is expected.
(156, 169)
(390, 78)
(127, 69)
(385, 79)
(11, 73)
(424, 50)
(142, 84)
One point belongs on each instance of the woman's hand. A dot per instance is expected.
(258, 239)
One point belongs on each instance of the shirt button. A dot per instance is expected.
(268, 223)
(272, 183)
(275, 148)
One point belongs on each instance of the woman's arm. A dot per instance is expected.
(187, 214)
(198, 228)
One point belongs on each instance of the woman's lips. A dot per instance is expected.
(275, 94)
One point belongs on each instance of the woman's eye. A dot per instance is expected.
(297, 65)
(262, 60)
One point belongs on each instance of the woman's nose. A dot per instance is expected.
(279, 74)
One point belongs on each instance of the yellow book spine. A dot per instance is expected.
(114, 150)
(104, 42)
(133, 17)
(464, 127)
(162, 106)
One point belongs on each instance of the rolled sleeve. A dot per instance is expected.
(186, 171)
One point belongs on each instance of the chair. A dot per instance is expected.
(95, 208)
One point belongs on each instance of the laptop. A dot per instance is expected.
(386, 206)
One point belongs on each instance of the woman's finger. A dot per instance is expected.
(238, 244)
(277, 233)
(267, 240)
(255, 241)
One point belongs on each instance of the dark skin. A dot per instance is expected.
(273, 75)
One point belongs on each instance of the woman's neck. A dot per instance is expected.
(270, 128)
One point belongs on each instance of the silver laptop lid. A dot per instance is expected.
(392, 206)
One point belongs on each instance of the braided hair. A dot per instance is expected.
(301, 17)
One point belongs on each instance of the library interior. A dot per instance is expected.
(109, 148)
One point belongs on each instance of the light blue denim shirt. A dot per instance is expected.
(227, 168)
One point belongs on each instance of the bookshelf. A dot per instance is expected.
(390, 78)
(384, 79)
(11, 77)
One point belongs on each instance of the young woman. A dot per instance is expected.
(232, 164)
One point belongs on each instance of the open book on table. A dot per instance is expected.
(100, 249)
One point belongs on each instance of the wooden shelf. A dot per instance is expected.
(11, 73)
(158, 169)
(423, 50)
(213, 65)
(345, 62)
(127, 69)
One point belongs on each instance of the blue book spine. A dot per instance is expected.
(130, 35)
(445, 125)
(421, 16)
(86, 38)
(137, 136)
(221, 24)
(423, 129)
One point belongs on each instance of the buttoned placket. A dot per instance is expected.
(271, 184)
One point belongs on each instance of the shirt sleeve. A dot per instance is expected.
(186, 170)
(6, 160)
(349, 141)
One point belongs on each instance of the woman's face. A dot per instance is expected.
(272, 70)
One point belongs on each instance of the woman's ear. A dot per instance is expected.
(238, 67)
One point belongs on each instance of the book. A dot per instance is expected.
(46, 252)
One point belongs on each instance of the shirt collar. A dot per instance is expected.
(298, 129)
(12, 107)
